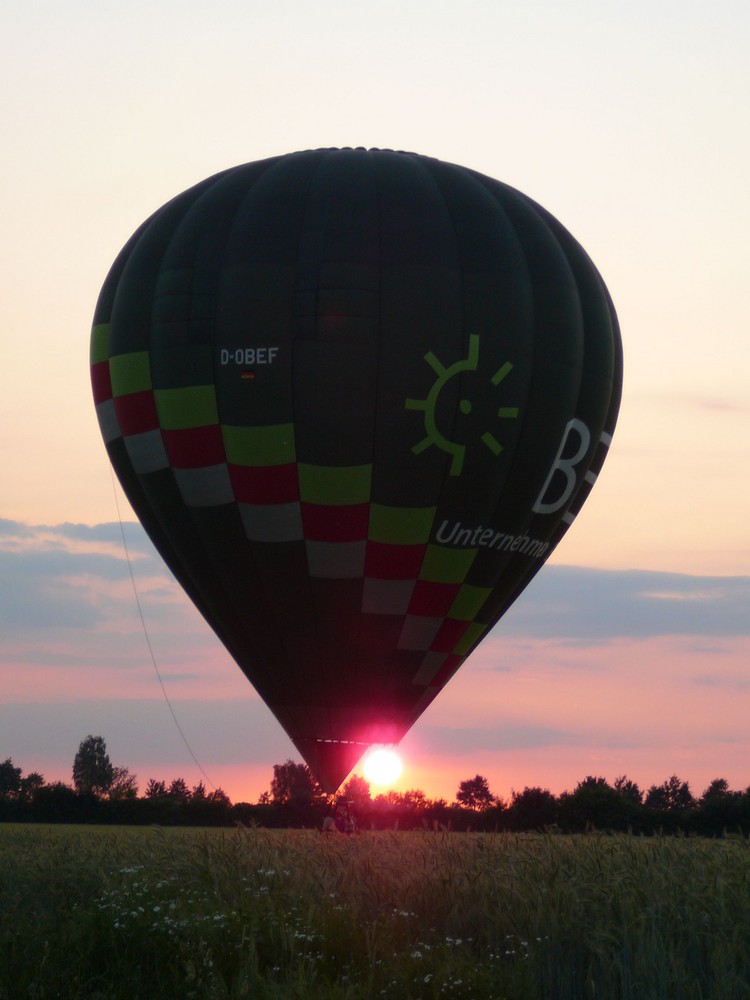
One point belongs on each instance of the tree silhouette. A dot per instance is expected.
(219, 797)
(357, 790)
(671, 796)
(716, 791)
(294, 784)
(415, 800)
(629, 789)
(532, 809)
(595, 803)
(10, 779)
(58, 803)
(475, 794)
(30, 785)
(155, 789)
(296, 799)
(178, 790)
(94, 773)
(92, 768)
(124, 785)
(720, 809)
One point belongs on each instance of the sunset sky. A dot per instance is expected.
(630, 653)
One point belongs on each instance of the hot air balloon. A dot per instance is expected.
(355, 397)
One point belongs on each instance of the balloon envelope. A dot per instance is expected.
(355, 397)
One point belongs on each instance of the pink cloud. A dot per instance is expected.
(557, 712)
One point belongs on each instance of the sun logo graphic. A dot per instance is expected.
(474, 417)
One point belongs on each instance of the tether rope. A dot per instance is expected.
(148, 640)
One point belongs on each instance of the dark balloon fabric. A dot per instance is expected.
(356, 397)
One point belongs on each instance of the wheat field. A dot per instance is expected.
(105, 913)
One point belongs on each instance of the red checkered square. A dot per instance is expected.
(448, 635)
(136, 412)
(393, 562)
(332, 523)
(447, 670)
(433, 599)
(194, 447)
(101, 383)
(265, 484)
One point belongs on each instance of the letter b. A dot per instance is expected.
(548, 505)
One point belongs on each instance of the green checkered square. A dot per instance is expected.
(400, 525)
(191, 406)
(259, 446)
(444, 565)
(130, 373)
(471, 636)
(99, 346)
(468, 602)
(334, 485)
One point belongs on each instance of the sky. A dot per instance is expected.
(629, 122)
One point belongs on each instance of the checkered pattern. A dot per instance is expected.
(421, 587)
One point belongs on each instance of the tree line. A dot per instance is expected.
(102, 792)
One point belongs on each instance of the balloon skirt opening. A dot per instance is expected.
(331, 760)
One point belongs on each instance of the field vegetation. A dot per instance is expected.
(105, 913)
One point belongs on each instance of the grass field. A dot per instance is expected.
(108, 913)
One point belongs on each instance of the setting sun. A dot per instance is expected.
(383, 767)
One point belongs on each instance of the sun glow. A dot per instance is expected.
(383, 767)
